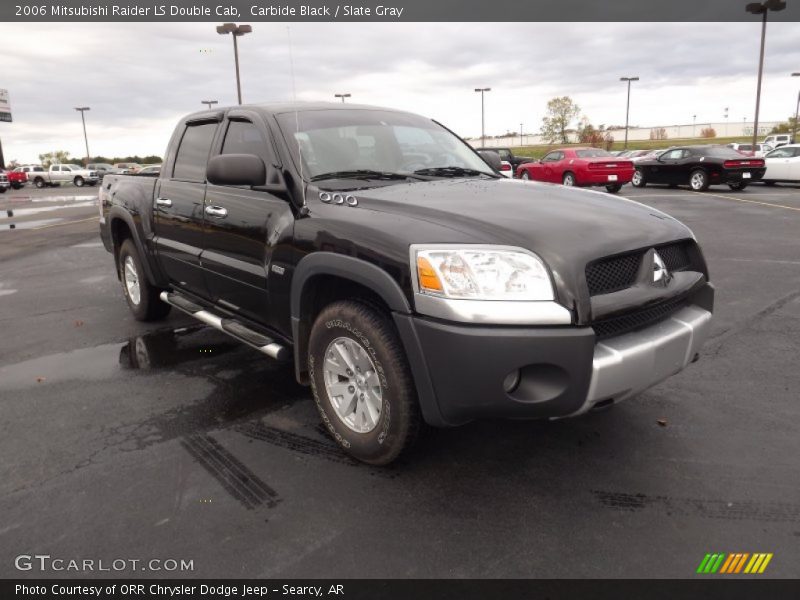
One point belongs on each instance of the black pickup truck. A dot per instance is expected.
(507, 155)
(407, 281)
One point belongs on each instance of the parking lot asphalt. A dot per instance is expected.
(123, 440)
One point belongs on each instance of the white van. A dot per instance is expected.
(778, 140)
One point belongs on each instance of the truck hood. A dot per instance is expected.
(566, 227)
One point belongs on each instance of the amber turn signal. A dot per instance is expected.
(428, 279)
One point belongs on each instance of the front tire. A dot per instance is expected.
(698, 180)
(362, 383)
(142, 297)
(638, 179)
(568, 179)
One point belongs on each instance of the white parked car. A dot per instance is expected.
(783, 164)
(777, 140)
(747, 149)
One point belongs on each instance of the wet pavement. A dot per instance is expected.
(122, 440)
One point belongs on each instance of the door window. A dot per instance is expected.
(192, 157)
(243, 137)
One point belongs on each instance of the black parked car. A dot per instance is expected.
(699, 167)
(405, 279)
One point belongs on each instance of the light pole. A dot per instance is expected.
(82, 109)
(483, 122)
(237, 31)
(694, 122)
(520, 135)
(762, 8)
(726, 121)
(796, 113)
(209, 103)
(342, 96)
(628, 106)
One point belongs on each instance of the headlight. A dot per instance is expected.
(481, 273)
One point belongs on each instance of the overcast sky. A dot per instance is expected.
(139, 79)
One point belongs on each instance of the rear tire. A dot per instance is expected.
(78, 181)
(39, 183)
(362, 383)
(16, 186)
(3, 190)
(569, 179)
(614, 189)
(142, 297)
(769, 183)
(525, 176)
(738, 186)
(638, 179)
(698, 180)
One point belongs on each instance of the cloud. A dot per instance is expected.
(139, 78)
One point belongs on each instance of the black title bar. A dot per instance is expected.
(391, 10)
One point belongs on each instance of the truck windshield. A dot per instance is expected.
(374, 143)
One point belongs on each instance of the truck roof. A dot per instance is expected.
(275, 108)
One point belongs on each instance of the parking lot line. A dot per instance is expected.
(752, 201)
(65, 223)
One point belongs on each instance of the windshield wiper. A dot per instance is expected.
(364, 174)
(451, 172)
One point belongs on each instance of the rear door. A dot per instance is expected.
(179, 207)
(244, 227)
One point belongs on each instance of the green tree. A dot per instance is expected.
(55, 157)
(786, 127)
(560, 113)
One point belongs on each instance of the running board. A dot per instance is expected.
(232, 327)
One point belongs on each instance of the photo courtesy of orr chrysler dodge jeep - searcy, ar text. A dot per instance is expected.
(407, 281)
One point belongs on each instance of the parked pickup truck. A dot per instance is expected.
(58, 174)
(507, 155)
(407, 282)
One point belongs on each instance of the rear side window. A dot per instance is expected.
(192, 157)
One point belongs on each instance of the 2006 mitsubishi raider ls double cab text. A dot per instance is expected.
(409, 283)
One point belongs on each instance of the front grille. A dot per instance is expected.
(638, 319)
(619, 272)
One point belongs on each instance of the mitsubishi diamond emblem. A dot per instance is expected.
(661, 275)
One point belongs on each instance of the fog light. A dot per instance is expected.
(511, 381)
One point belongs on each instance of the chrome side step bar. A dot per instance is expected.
(232, 327)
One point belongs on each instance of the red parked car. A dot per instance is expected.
(581, 167)
(17, 178)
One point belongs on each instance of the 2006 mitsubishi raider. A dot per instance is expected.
(408, 282)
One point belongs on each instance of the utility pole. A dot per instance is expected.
(237, 31)
(83, 109)
(628, 106)
(762, 8)
(483, 127)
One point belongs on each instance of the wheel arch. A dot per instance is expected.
(317, 274)
(122, 227)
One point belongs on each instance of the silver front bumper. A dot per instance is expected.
(630, 363)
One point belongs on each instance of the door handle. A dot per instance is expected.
(165, 202)
(217, 211)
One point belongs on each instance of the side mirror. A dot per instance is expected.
(491, 158)
(236, 169)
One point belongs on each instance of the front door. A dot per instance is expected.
(179, 209)
(244, 226)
